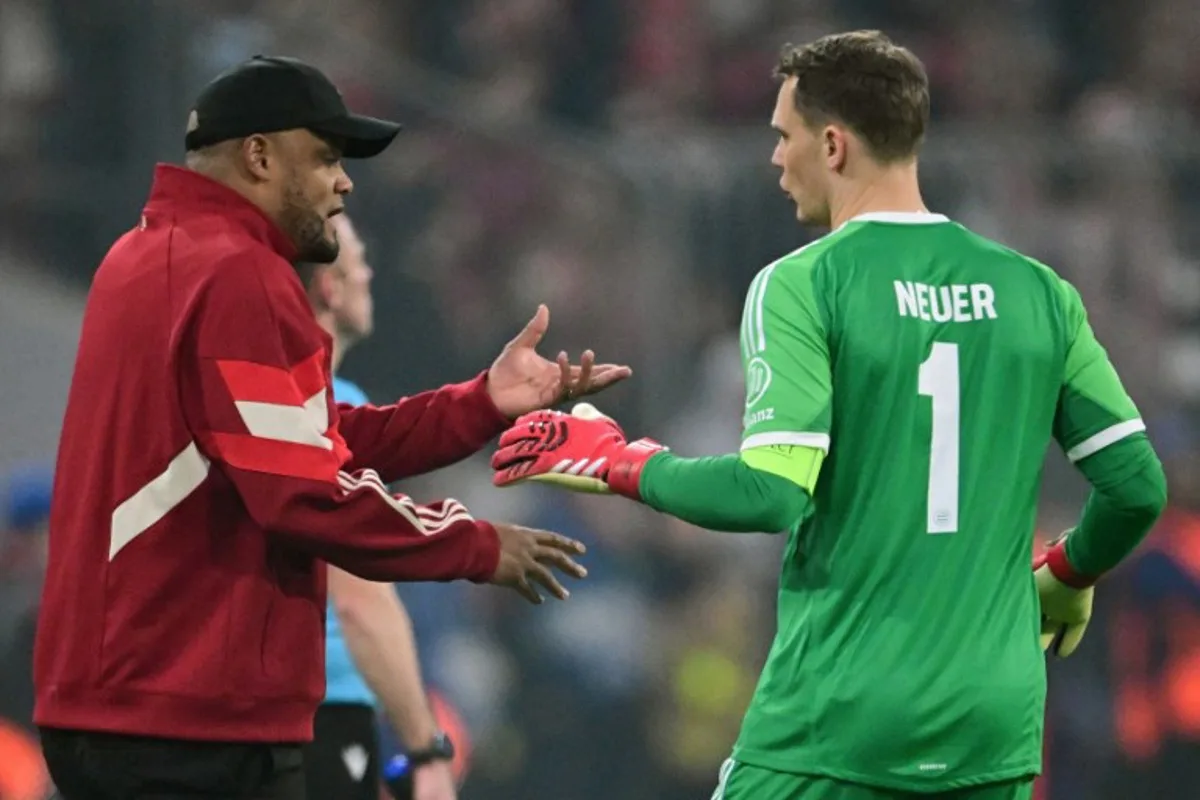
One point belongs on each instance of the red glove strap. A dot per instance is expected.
(1056, 559)
(626, 472)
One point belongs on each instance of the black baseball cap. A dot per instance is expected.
(275, 93)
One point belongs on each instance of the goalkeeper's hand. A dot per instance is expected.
(583, 451)
(1066, 598)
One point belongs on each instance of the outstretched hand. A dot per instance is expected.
(526, 556)
(521, 380)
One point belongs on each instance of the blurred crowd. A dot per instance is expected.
(611, 158)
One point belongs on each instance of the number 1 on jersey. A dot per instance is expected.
(938, 380)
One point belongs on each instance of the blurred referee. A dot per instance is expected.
(370, 652)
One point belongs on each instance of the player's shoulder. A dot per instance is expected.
(345, 391)
(794, 269)
(806, 258)
(986, 244)
(211, 237)
(854, 241)
(1033, 268)
(254, 279)
(253, 266)
(257, 309)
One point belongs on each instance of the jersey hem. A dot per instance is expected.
(131, 712)
(758, 758)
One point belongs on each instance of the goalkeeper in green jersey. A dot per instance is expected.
(904, 379)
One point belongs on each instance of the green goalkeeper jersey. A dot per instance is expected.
(934, 366)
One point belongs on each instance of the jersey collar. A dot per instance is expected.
(182, 187)
(899, 218)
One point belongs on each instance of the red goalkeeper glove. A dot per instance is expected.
(1065, 596)
(583, 451)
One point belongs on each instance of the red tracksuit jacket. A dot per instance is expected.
(204, 473)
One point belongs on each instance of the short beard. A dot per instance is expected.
(306, 228)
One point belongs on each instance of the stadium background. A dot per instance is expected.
(611, 158)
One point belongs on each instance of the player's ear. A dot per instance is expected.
(329, 284)
(322, 288)
(834, 142)
(257, 156)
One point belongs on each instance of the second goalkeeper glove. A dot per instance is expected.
(1066, 599)
(584, 451)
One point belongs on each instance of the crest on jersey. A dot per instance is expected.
(758, 378)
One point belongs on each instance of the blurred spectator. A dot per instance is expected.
(29, 74)
(23, 773)
(22, 566)
(1154, 636)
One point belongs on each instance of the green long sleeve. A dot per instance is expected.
(722, 493)
(1129, 492)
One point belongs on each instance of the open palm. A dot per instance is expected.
(521, 380)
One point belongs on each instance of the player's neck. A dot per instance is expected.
(893, 189)
(342, 342)
(340, 345)
(339, 352)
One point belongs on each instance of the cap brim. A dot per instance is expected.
(361, 136)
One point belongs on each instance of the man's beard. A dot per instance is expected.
(306, 228)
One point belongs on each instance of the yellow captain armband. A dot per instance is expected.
(798, 463)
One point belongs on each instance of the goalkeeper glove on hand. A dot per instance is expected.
(1066, 598)
(583, 451)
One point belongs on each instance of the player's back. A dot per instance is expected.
(907, 652)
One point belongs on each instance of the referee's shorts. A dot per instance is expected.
(103, 766)
(342, 761)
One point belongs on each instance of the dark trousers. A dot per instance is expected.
(342, 762)
(103, 766)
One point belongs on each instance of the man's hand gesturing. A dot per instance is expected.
(521, 380)
(526, 556)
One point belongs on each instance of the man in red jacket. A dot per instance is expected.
(205, 473)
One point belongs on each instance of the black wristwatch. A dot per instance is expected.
(440, 749)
